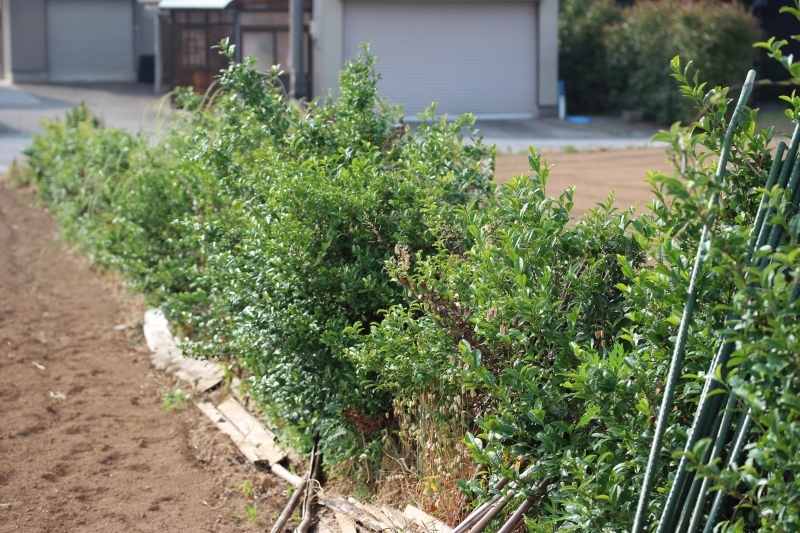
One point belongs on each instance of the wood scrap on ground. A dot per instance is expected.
(346, 524)
(248, 449)
(354, 510)
(231, 418)
(252, 429)
(424, 520)
(292, 479)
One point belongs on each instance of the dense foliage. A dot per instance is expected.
(263, 226)
(557, 337)
(582, 55)
(616, 59)
(377, 289)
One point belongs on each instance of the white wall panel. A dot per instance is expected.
(90, 40)
(477, 57)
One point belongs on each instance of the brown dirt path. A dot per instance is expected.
(85, 444)
(594, 174)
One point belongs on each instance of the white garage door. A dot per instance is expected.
(90, 40)
(476, 57)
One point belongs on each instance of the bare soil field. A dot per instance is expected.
(594, 174)
(85, 444)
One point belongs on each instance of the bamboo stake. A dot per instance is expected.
(518, 515)
(477, 514)
(677, 357)
(481, 510)
(529, 502)
(308, 505)
(495, 505)
(308, 502)
(492, 512)
(290, 507)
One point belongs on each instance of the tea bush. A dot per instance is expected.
(378, 291)
(582, 53)
(555, 339)
(263, 227)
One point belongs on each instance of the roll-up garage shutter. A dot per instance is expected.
(90, 40)
(469, 56)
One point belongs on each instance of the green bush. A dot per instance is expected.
(716, 36)
(582, 54)
(556, 338)
(263, 227)
(381, 293)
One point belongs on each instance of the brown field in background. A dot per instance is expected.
(594, 174)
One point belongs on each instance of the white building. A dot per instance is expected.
(494, 58)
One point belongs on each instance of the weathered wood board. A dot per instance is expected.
(424, 520)
(253, 431)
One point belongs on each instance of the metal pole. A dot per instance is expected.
(159, 69)
(298, 71)
(676, 365)
(158, 80)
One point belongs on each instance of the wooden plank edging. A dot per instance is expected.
(258, 444)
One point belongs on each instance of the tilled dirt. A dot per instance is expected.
(85, 443)
(594, 174)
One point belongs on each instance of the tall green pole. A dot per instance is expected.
(677, 356)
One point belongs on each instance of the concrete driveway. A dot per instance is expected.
(135, 107)
(606, 133)
(22, 108)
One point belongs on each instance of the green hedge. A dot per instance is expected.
(263, 227)
(555, 339)
(582, 55)
(377, 290)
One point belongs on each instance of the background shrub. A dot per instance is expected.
(616, 59)
(582, 54)
(552, 341)
(262, 227)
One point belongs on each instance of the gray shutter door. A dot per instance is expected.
(468, 56)
(90, 40)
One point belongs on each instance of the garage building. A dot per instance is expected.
(493, 58)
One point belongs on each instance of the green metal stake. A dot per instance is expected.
(705, 409)
(744, 426)
(719, 443)
(736, 449)
(683, 330)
